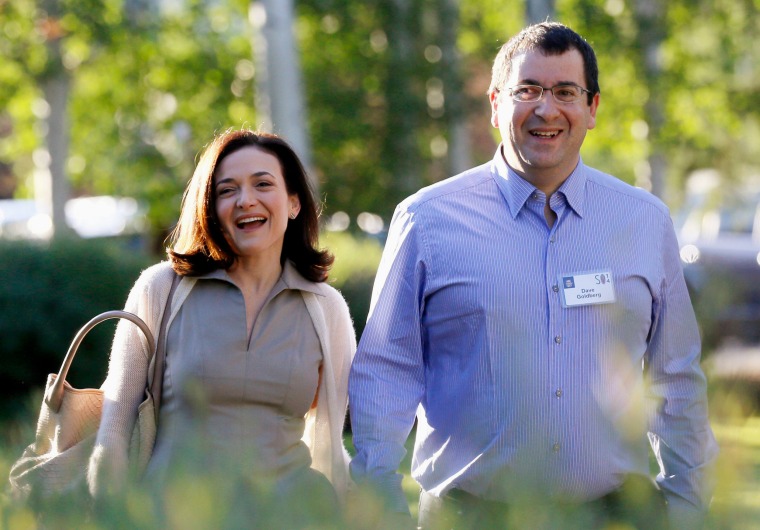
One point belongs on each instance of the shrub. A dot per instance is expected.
(353, 274)
(48, 291)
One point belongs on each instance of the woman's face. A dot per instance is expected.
(253, 204)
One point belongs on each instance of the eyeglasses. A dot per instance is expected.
(566, 93)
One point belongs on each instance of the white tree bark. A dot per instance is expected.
(539, 11)
(280, 103)
(51, 181)
(652, 31)
(56, 141)
(459, 154)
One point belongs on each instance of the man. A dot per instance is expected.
(532, 312)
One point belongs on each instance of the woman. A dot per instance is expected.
(258, 347)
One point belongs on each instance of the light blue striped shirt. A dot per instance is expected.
(513, 392)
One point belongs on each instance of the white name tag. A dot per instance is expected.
(585, 289)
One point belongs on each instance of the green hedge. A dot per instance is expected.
(47, 292)
(353, 273)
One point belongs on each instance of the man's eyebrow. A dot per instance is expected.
(535, 82)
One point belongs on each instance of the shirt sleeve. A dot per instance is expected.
(679, 430)
(387, 376)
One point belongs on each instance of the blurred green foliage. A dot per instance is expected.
(353, 273)
(152, 82)
(736, 505)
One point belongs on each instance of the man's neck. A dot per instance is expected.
(547, 183)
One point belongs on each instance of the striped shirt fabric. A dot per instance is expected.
(522, 381)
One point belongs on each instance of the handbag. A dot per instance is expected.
(56, 463)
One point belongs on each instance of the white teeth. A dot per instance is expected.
(251, 220)
(544, 134)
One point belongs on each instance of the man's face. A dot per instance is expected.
(542, 139)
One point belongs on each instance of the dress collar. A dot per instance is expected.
(290, 278)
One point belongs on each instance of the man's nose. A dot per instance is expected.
(547, 106)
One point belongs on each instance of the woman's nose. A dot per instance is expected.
(247, 198)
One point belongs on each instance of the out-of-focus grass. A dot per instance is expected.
(735, 414)
(736, 503)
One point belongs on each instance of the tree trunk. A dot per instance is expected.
(400, 149)
(539, 10)
(451, 73)
(56, 126)
(51, 182)
(280, 105)
(650, 16)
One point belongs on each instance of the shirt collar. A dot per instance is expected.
(517, 190)
(289, 279)
(294, 280)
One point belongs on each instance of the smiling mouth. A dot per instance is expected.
(251, 221)
(541, 134)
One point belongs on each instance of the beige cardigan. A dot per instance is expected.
(125, 385)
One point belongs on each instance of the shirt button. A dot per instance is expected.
(558, 339)
(558, 392)
(555, 288)
(535, 195)
(551, 239)
(556, 447)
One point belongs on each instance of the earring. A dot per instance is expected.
(292, 215)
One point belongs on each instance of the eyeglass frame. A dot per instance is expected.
(543, 91)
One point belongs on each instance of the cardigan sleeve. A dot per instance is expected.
(124, 387)
(324, 426)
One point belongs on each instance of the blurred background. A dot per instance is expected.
(105, 105)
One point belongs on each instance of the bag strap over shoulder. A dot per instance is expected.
(156, 383)
(54, 396)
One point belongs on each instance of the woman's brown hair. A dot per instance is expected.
(198, 245)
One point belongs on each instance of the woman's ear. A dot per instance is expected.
(295, 206)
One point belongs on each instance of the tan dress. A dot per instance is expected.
(234, 404)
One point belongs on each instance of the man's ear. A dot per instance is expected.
(493, 97)
(592, 111)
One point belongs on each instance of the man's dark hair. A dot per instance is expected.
(551, 38)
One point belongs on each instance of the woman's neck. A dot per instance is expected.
(255, 279)
(258, 276)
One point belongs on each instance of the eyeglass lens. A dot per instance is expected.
(562, 93)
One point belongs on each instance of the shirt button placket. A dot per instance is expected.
(557, 360)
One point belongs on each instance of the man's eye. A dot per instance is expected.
(526, 91)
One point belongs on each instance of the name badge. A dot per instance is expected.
(586, 289)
